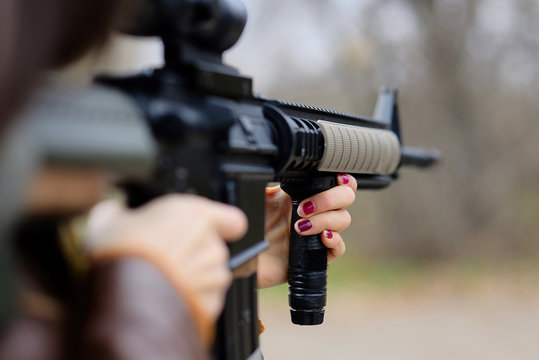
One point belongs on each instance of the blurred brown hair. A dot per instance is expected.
(37, 35)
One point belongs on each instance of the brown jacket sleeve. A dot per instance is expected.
(132, 312)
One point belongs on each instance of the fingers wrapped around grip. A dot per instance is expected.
(334, 243)
(229, 222)
(335, 198)
(324, 214)
(335, 220)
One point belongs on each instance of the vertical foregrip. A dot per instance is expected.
(307, 275)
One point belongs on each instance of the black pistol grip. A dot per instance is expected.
(307, 275)
(307, 258)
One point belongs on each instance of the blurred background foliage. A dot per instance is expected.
(468, 75)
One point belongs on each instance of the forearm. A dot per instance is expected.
(133, 312)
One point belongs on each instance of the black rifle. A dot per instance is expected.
(212, 136)
(218, 140)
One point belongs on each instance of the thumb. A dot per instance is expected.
(99, 218)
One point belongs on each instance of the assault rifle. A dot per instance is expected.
(210, 135)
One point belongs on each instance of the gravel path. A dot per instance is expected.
(498, 324)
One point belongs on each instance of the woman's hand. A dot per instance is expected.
(322, 213)
(183, 235)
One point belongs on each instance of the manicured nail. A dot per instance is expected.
(344, 178)
(305, 225)
(328, 234)
(308, 208)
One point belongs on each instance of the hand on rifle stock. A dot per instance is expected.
(322, 213)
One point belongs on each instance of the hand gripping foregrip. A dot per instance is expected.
(307, 261)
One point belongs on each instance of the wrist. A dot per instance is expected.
(203, 322)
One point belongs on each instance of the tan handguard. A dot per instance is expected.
(359, 150)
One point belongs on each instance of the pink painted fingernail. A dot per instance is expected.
(328, 234)
(305, 225)
(344, 178)
(308, 208)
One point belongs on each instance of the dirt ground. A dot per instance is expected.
(495, 321)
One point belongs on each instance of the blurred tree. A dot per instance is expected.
(468, 74)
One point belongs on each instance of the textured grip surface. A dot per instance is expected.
(358, 150)
(307, 276)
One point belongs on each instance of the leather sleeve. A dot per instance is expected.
(132, 312)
